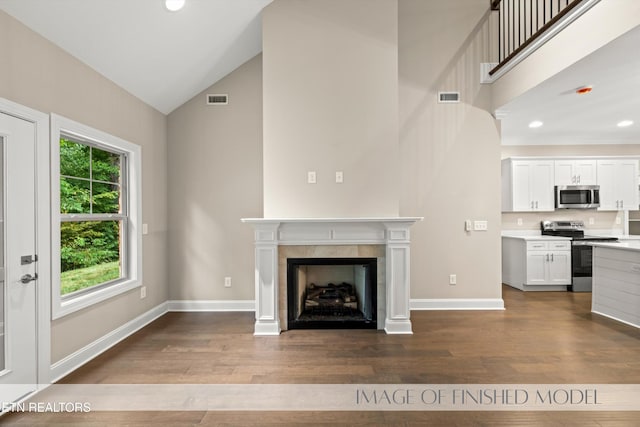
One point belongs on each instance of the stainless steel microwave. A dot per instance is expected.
(577, 196)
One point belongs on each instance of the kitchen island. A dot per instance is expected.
(616, 281)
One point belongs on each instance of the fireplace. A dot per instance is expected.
(386, 239)
(331, 293)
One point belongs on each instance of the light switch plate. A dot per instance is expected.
(311, 177)
(480, 225)
(339, 177)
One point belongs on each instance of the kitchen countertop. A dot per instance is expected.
(628, 237)
(629, 245)
(531, 237)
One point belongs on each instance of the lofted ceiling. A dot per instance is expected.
(614, 74)
(164, 58)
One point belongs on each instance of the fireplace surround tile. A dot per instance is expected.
(328, 251)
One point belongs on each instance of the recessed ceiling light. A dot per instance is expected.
(174, 5)
(625, 123)
(535, 124)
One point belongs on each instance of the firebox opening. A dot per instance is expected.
(332, 293)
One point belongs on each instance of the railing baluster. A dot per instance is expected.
(515, 33)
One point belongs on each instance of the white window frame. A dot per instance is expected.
(62, 306)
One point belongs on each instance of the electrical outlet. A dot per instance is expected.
(311, 177)
(145, 229)
(143, 292)
(467, 225)
(227, 282)
(618, 220)
(453, 279)
(519, 221)
(592, 221)
(339, 177)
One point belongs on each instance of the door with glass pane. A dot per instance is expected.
(18, 261)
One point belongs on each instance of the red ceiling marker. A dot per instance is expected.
(583, 90)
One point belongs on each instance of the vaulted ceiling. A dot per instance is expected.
(164, 58)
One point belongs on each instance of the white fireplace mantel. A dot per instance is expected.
(392, 232)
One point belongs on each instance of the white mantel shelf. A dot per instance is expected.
(324, 220)
(393, 232)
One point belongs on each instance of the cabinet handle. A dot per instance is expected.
(551, 257)
(622, 204)
(547, 257)
(532, 204)
(578, 179)
(536, 204)
(573, 179)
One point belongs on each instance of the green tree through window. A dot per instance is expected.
(92, 215)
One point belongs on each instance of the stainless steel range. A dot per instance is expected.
(581, 250)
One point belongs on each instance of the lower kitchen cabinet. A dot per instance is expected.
(634, 222)
(536, 265)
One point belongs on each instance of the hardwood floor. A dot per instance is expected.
(541, 338)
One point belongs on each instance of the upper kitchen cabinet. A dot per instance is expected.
(618, 184)
(576, 172)
(527, 185)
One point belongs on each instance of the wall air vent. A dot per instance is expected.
(448, 97)
(217, 99)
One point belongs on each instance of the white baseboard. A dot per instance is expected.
(457, 304)
(99, 346)
(212, 305)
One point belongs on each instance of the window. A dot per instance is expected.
(96, 216)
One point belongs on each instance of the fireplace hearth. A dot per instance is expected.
(331, 293)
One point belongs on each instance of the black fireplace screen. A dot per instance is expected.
(331, 293)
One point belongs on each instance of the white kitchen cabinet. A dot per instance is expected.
(536, 265)
(618, 184)
(575, 172)
(548, 263)
(527, 185)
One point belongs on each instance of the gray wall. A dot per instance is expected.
(215, 179)
(450, 152)
(39, 75)
(330, 77)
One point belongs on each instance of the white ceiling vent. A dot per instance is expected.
(448, 97)
(217, 99)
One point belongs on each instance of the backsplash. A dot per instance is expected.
(531, 220)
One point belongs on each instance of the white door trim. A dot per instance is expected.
(43, 234)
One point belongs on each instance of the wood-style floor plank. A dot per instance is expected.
(546, 337)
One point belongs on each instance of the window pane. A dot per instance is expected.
(105, 166)
(106, 198)
(90, 254)
(74, 159)
(74, 196)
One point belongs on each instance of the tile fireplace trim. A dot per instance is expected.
(392, 232)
